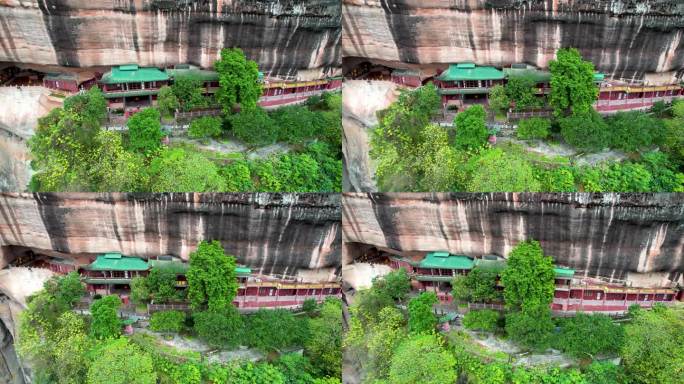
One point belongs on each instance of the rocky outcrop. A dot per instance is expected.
(612, 235)
(282, 234)
(624, 38)
(286, 37)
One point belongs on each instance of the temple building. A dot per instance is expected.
(131, 86)
(467, 83)
(436, 271)
(112, 273)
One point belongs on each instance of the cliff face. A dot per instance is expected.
(291, 234)
(284, 36)
(623, 38)
(609, 235)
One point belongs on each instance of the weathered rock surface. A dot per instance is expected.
(361, 100)
(624, 38)
(284, 36)
(612, 235)
(288, 234)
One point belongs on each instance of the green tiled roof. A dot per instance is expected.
(564, 272)
(194, 72)
(470, 71)
(130, 93)
(108, 281)
(491, 265)
(536, 75)
(178, 267)
(444, 260)
(243, 270)
(133, 74)
(118, 262)
(434, 278)
(61, 76)
(599, 76)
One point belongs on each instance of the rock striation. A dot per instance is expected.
(623, 38)
(609, 235)
(286, 37)
(279, 234)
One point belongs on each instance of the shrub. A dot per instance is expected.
(585, 131)
(483, 320)
(167, 321)
(534, 128)
(254, 127)
(219, 329)
(471, 130)
(206, 126)
(590, 335)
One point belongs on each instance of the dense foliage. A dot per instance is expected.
(421, 316)
(422, 359)
(106, 323)
(471, 131)
(220, 328)
(588, 335)
(483, 320)
(144, 131)
(120, 362)
(167, 321)
(533, 128)
(211, 277)
(238, 80)
(572, 83)
(204, 127)
(479, 285)
(520, 90)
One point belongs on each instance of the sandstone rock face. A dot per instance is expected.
(284, 36)
(623, 38)
(611, 235)
(282, 234)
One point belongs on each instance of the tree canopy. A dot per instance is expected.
(422, 359)
(106, 323)
(528, 278)
(144, 131)
(471, 130)
(120, 362)
(421, 315)
(238, 80)
(572, 83)
(212, 279)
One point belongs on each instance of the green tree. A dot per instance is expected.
(528, 278)
(521, 91)
(572, 83)
(167, 102)
(254, 127)
(533, 128)
(309, 307)
(586, 131)
(561, 179)
(237, 176)
(604, 372)
(206, 126)
(398, 142)
(161, 283)
(220, 328)
(471, 130)
(238, 80)
(481, 283)
(324, 345)
(589, 335)
(167, 321)
(422, 359)
(421, 316)
(631, 131)
(296, 369)
(653, 351)
(532, 327)
(484, 320)
(140, 292)
(274, 329)
(498, 99)
(460, 289)
(188, 91)
(121, 363)
(497, 171)
(91, 107)
(106, 323)
(69, 344)
(370, 302)
(109, 167)
(66, 290)
(211, 277)
(296, 124)
(385, 337)
(144, 130)
(178, 170)
(396, 284)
